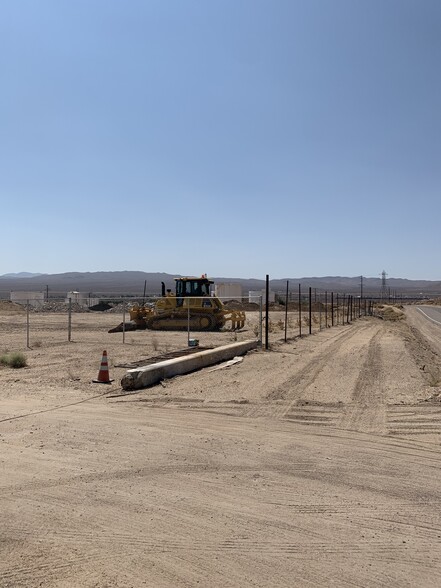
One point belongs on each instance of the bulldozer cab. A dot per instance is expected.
(191, 287)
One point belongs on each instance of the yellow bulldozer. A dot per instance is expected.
(191, 307)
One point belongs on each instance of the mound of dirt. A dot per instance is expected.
(235, 305)
(8, 307)
(389, 313)
(57, 306)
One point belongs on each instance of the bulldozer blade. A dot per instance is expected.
(123, 327)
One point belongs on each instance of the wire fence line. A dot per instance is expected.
(270, 317)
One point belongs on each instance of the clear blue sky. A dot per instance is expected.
(233, 137)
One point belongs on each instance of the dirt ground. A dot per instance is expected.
(316, 463)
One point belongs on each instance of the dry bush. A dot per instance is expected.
(14, 360)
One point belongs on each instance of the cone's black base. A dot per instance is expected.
(101, 382)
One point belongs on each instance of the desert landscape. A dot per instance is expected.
(315, 463)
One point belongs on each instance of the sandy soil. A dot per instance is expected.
(313, 464)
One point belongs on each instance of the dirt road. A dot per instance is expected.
(314, 464)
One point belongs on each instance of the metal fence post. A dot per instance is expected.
(188, 323)
(261, 321)
(124, 322)
(69, 321)
(266, 312)
(310, 310)
(320, 311)
(332, 309)
(300, 310)
(27, 325)
(286, 309)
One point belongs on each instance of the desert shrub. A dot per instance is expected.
(14, 360)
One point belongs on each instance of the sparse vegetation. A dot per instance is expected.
(14, 360)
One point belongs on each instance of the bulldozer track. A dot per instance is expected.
(197, 322)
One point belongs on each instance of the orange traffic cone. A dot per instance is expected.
(103, 374)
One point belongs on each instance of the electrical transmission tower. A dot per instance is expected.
(383, 284)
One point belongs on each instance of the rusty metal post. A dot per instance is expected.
(300, 310)
(286, 309)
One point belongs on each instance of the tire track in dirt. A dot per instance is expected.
(414, 419)
(368, 411)
(315, 414)
(282, 399)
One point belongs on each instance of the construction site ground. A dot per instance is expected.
(316, 463)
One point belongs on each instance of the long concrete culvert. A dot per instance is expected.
(149, 375)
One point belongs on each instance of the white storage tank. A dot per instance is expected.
(228, 291)
(81, 298)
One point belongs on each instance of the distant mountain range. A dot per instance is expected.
(134, 283)
(20, 275)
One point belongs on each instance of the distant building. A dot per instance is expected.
(34, 299)
(81, 298)
(228, 291)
